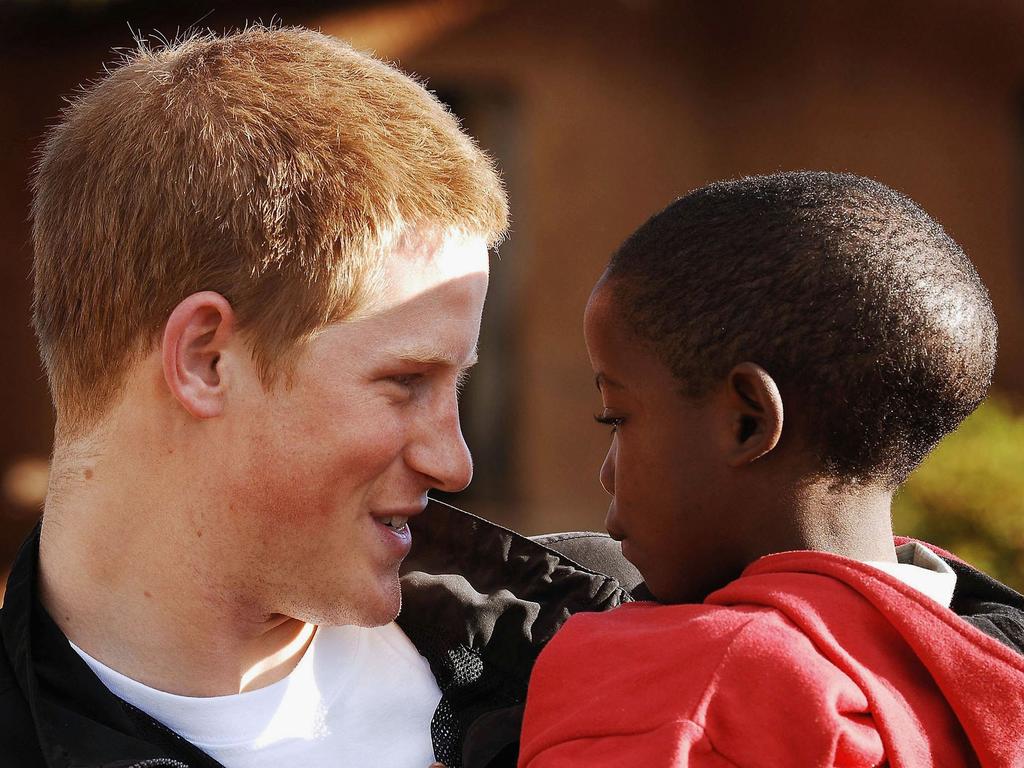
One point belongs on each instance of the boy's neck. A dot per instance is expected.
(852, 521)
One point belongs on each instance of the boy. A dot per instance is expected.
(775, 355)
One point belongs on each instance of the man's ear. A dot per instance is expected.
(195, 337)
(756, 404)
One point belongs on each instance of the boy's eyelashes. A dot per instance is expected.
(607, 419)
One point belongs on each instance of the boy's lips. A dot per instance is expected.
(612, 525)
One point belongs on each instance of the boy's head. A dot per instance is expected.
(274, 166)
(846, 302)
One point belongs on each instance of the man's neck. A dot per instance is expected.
(124, 582)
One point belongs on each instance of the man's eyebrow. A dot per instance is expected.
(601, 380)
(430, 356)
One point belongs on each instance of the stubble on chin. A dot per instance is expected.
(367, 607)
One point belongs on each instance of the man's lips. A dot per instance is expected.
(397, 518)
(392, 530)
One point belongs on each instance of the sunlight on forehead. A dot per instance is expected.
(437, 257)
(425, 260)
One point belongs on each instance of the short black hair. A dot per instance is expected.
(855, 301)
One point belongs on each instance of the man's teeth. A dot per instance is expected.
(395, 521)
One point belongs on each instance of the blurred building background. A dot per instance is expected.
(600, 112)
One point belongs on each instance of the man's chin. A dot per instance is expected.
(382, 613)
(374, 606)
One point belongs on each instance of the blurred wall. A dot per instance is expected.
(601, 113)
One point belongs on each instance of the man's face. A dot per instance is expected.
(339, 459)
(670, 496)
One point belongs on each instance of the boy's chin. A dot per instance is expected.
(676, 591)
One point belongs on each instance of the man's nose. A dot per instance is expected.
(607, 474)
(440, 452)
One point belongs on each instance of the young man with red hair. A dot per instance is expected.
(260, 266)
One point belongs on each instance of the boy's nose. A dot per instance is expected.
(607, 475)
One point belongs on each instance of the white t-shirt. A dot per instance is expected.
(358, 697)
(920, 568)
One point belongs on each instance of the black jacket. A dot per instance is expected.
(479, 602)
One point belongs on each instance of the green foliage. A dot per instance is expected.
(968, 495)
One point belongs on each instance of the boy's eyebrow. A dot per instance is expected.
(601, 379)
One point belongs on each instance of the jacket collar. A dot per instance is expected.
(480, 602)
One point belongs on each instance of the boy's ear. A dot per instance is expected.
(195, 338)
(756, 406)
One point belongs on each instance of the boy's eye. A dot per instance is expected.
(611, 421)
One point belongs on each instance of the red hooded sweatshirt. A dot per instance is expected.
(808, 659)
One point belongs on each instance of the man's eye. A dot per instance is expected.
(611, 421)
(405, 379)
